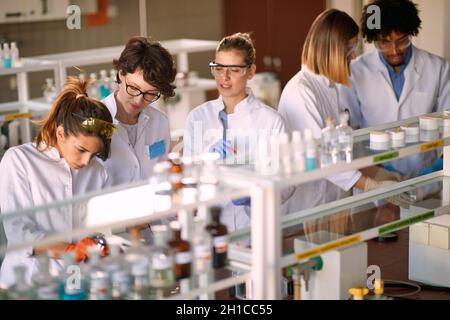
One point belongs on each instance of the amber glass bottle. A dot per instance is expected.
(182, 249)
(219, 235)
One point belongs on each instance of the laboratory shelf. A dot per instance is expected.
(29, 65)
(178, 47)
(114, 209)
(368, 221)
(363, 157)
(33, 108)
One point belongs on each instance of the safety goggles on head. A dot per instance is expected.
(384, 45)
(97, 126)
(148, 96)
(235, 71)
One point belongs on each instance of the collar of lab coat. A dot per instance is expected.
(416, 61)
(318, 77)
(52, 153)
(412, 71)
(110, 102)
(143, 120)
(243, 108)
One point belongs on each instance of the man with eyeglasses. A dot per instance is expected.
(397, 80)
(145, 72)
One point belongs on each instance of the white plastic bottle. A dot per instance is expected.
(298, 152)
(93, 89)
(50, 92)
(7, 60)
(330, 145)
(1, 56)
(113, 86)
(345, 137)
(15, 56)
(285, 154)
(310, 151)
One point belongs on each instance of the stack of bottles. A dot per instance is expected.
(9, 55)
(171, 265)
(101, 85)
(305, 153)
(179, 180)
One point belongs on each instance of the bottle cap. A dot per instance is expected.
(358, 293)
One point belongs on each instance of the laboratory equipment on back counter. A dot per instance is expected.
(50, 91)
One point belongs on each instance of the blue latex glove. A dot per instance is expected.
(389, 167)
(436, 166)
(221, 147)
(242, 201)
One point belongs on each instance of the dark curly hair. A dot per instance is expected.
(396, 16)
(155, 61)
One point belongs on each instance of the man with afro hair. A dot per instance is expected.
(397, 80)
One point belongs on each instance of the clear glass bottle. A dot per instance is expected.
(182, 249)
(189, 180)
(162, 275)
(138, 259)
(219, 235)
(45, 285)
(118, 271)
(97, 277)
(139, 280)
(209, 176)
(50, 91)
(202, 245)
(345, 137)
(330, 144)
(20, 290)
(72, 283)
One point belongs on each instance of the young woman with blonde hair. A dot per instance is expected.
(311, 97)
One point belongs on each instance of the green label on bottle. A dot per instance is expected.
(404, 223)
(386, 156)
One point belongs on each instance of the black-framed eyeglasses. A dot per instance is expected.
(97, 126)
(148, 96)
(218, 69)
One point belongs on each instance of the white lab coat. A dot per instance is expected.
(31, 178)
(371, 100)
(305, 103)
(127, 163)
(250, 118)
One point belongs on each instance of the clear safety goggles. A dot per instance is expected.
(384, 45)
(234, 71)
